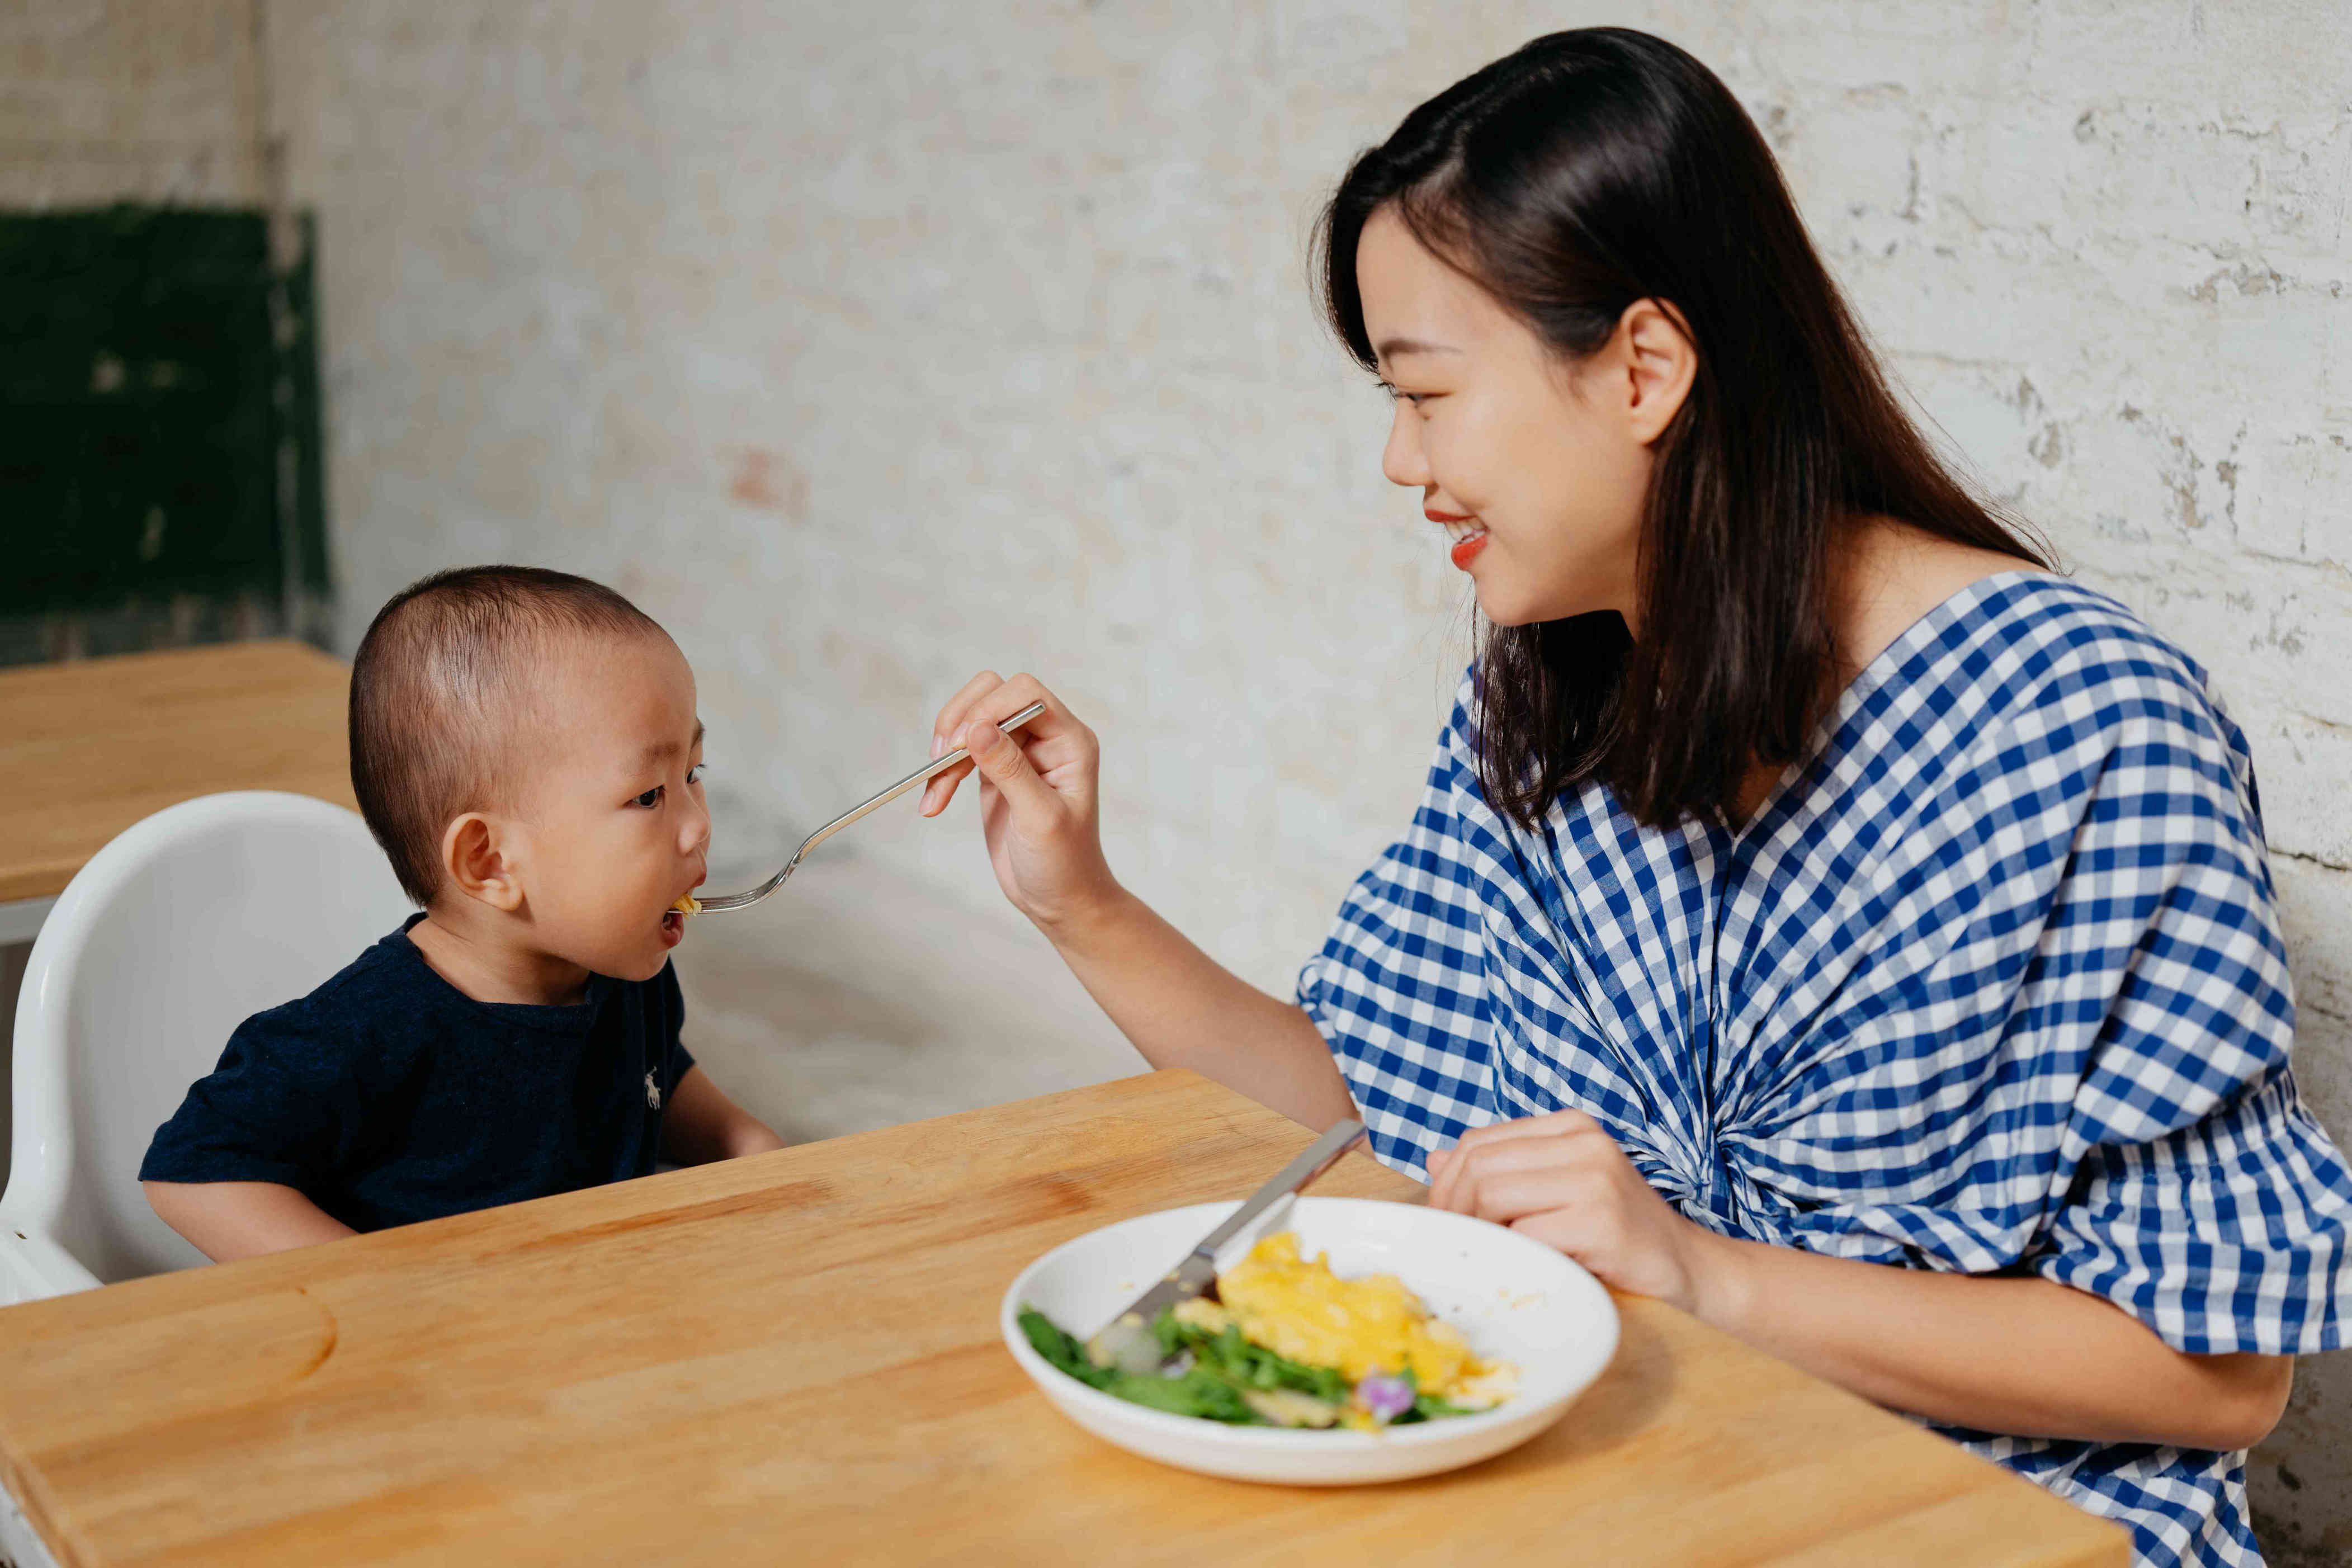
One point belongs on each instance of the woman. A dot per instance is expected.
(1808, 881)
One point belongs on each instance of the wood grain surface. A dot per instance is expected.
(90, 747)
(794, 1358)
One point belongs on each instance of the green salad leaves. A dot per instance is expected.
(1220, 1377)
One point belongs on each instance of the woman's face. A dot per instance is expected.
(1536, 468)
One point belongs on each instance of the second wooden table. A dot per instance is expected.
(90, 747)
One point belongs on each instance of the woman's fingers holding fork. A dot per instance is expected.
(1037, 796)
(1053, 744)
(944, 729)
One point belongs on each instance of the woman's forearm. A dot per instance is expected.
(1181, 1008)
(1178, 1005)
(2013, 1354)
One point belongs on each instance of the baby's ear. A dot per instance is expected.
(475, 865)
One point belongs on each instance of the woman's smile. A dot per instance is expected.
(1469, 535)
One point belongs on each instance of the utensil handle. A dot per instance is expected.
(950, 759)
(1320, 1157)
(927, 770)
(724, 901)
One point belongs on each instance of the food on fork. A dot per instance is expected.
(687, 904)
(1290, 1343)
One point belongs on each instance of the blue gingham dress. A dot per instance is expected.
(1991, 981)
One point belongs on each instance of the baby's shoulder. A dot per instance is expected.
(366, 1013)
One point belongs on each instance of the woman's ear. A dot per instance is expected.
(474, 863)
(1660, 362)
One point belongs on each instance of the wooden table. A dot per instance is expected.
(794, 1358)
(88, 748)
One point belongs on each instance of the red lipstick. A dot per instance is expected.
(1466, 548)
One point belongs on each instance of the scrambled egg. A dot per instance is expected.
(1298, 1308)
(687, 904)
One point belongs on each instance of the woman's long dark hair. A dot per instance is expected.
(1586, 171)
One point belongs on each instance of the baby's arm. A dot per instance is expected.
(242, 1219)
(701, 1124)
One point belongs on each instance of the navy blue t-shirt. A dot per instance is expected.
(387, 1095)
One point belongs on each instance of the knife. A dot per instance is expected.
(1127, 1340)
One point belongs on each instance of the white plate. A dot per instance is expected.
(1515, 1299)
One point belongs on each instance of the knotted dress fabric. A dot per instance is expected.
(1991, 982)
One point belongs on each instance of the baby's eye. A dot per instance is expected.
(651, 798)
(694, 774)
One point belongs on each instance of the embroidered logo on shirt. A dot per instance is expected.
(653, 1092)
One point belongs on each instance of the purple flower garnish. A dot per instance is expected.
(1384, 1397)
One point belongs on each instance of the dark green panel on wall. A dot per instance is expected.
(146, 394)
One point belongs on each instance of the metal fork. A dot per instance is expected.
(923, 774)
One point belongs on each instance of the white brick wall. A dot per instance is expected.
(146, 101)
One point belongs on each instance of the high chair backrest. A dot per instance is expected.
(172, 935)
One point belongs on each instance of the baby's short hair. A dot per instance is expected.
(444, 668)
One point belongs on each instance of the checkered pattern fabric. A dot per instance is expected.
(1992, 980)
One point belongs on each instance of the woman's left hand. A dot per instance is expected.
(1561, 1180)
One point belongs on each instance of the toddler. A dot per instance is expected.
(525, 748)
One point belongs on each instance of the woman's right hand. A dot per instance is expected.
(1178, 1006)
(1037, 796)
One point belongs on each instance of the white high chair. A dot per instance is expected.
(172, 935)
